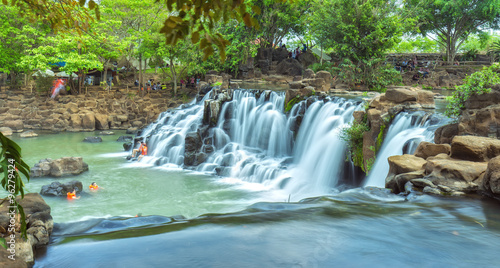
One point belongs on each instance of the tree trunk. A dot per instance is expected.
(141, 85)
(81, 80)
(13, 77)
(321, 57)
(105, 71)
(174, 76)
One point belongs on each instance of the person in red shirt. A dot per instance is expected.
(72, 195)
(144, 151)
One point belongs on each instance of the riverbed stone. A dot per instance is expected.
(398, 182)
(15, 125)
(400, 164)
(88, 122)
(6, 131)
(446, 133)
(400, 95)
(101, 122)
(93, 139)
(427, 149)
(39, 228)
(491, 181)
(475, 148)
(125, 138)
(28, 134)
(59, 189)
(459, 175)
(60, 167)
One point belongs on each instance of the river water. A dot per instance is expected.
(198, 219)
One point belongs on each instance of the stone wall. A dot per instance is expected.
(96, 111)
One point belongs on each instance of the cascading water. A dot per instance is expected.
(254, 141)
(166, 137)
(403, 137)
(319, 154)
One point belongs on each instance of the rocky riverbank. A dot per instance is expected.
(464, 159)
(39, 229)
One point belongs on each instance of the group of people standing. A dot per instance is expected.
(190, 82)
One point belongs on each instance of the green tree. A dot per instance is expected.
(17, 36)
(416, 44)
(278, 19)
(451, 22)
(360, 32)
(357, 29)
(139, 20)
(78, 53)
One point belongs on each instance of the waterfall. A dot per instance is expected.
(254, 141)
(405, 133)
(166, 136)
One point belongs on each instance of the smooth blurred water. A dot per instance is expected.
(356, 228)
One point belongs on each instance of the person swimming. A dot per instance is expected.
(93, 186)
(72, 195)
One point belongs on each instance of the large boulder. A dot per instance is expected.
(308, 58)
(58, 189)
(39, 228)
(445, 134)
(426, 98)
(481, 122)
(290, 67)
(308, 73)
(427, 149)
(60, 167)
(459, 175)
(475, 148)
(483, 100)
(317, 83)
(211, 112)
(88, 122)
(280, 54)
(491, 181)
(28, 134)
(327, 76)
(399, 164)
(192, 146)
(6, 131)
(400, 95)
(101, 122)
(15, 125)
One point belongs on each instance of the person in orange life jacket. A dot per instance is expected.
(144, 151)
(135, 151)
(72, 195)
(93, 186)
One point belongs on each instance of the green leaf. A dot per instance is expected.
(3, 243)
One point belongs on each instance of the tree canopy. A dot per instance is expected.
(451, 22)
(357, 29)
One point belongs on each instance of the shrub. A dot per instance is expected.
(374, 73)
(44, 83)
(476, 83)
(326, 66)
(353, 135)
